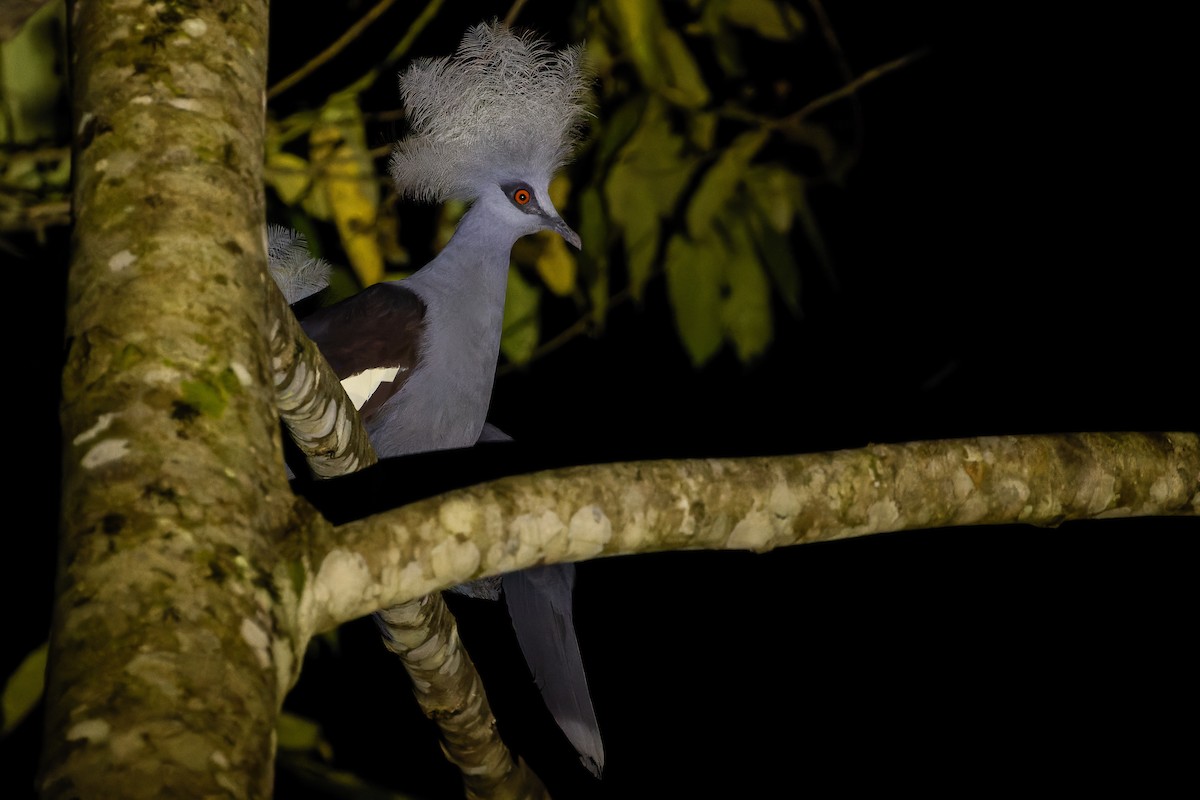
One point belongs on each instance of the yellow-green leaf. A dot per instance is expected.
(289, 175)
(32, 77)
(24, 688)
(618, 127)
(767, 18)
(295, 732)
(702, 129)
(347, 175)
(644, 185)
(638, 23)
(773, 189)
(556, 264)
(522, 325)
(746, 306)
(718, 184)
(694, 289)
(685, 86)
(775, 249)
(594, 256)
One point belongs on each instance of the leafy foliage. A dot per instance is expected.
(688, 174)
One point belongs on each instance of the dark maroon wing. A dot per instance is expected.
(382, 326)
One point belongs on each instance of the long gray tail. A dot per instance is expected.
(540, 604)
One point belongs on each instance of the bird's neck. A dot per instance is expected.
(463, 290)
(472, 269)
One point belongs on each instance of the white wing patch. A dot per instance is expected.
(360, 387)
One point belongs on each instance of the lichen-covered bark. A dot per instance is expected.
(744, 504)
(170, 654)
(423, 634)
(312, 404)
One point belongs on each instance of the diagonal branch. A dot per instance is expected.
(421, 631)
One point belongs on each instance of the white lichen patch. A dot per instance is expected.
(1165, 487)
(284, 662)
(91, 730)
(102, 423)
(783, 502)
(414, 580)
(458, 516)
(883, 515)
(194, 27)
(454, 560)
(343, 584)
(156, 670)
(185, 103)
(753, 532)
(121, 260)
(1098, 492)
(687, 525)
(537, 531)
(589, 531)
(963, 485)
(104, 452)
(163, 376)
(241, 373)
(259, 641)
(1013, 492)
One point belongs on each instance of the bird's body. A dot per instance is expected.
(412, 350)
(418, 356)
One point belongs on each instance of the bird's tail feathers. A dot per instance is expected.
(540, 604)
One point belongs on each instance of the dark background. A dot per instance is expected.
(1014, 254)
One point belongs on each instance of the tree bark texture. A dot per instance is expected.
(422, 633)
(169, 653)
(741, 504)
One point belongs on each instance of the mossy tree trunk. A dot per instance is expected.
(169, 657)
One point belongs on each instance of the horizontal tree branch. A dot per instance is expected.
(742, 504)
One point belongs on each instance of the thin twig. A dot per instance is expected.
(329, 52)
(854, 85)
(513, 12)
(844, 67)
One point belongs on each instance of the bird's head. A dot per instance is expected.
(526, 207)
(492, 123)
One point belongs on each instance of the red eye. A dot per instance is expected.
(521, 197)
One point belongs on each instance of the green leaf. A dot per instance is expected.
(347, 177)
(694, 288)
(768, 18)
(31, 77)
(773, 189)
(556, 264)
(617, 129)
(746, 307)
(594, 256)
(775, 249)
(643, 186)
(288, 174)
(719, 183)
(702, 130)
(522, 324)
(24, 688)
(295, 732)
(685, 85)
(638, 24)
